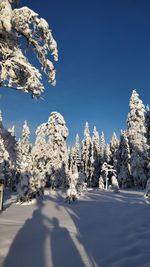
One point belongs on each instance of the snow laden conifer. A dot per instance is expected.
(102, 146)
(9, 142)
(4, 156)
(95, 155)
(16, 71)
(107, 154)
(86, 154)
(39, 161)
(24, 165)
(137, 141)
(147, 123)
(75, 157)
(72, 166)
(123, 162)
(77, 153)
(57, 166)
(114, 143)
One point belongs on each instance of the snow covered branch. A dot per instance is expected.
(15, 70)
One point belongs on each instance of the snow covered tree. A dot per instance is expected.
(75, 157)
(147, 123)
(102, 146)
(9, 142)
(137, 141)
(77, 185)
(95, 168)
(39, 159)
(86, 154)
(123, 162)
(107, 154)
(101, 183)
(15, 69)
(114, 183)
(77, 153)
(106, 173)
(114, 143)
(3, 160)
(57, 166)
(24, 165)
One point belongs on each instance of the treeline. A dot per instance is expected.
(49, 162)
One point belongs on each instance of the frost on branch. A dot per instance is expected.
(15, 70)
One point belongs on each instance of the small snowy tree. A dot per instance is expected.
(147, 123)
(3, 160)
(38, 153)
(106, 171)
(107, 154)
(114, 184)
(24, 165)
(102, 146)
(16, 72)
(9, 142)
(71, 194)
(114, 148)
(137, 140)
(123, 162)
(86, 154)
(101, 183)
(95, 153)
(75, 157)
(77, 153)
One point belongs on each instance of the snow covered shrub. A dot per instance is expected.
(71, 194)
(114, 184)
(101, 183)
(81, 184)
(16, 71)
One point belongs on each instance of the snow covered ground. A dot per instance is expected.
(102, 229)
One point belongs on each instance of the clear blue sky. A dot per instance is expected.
(104, 52)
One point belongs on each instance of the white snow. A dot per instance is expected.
(101, 229)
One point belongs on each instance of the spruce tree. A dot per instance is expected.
(57, 133)
(137, 140)
(114, 147)
(77, 153)
(95, 158)
(107, 154)
(24, 165)
(86, 154)
(123, 162)
(102, 146)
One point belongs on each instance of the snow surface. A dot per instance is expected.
(102, 229)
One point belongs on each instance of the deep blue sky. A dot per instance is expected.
(104, 52)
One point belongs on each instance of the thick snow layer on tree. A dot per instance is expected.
(102, 229)
(16, 71)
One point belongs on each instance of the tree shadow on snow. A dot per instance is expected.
(110, 228)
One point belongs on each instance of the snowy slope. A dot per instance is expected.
(102, 229)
